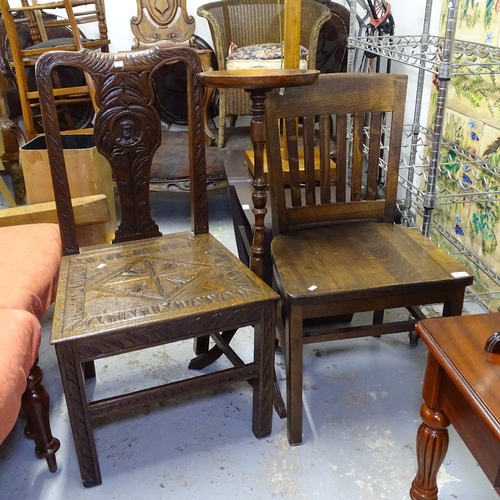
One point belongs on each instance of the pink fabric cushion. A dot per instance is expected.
(20, 334)
(30, 257)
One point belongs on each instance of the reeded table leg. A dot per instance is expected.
(432, 437)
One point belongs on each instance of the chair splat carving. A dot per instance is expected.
(161, 22)
(130, 134)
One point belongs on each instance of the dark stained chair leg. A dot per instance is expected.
(35, 402)
(378, 318)
(201, 345)
(206, 357)
(89, 370)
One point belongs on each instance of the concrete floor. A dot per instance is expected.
(361, 400)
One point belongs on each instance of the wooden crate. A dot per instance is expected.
(89, 173)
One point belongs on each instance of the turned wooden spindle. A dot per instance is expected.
(259, 196)
(257, 83)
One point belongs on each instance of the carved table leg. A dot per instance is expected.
(432, 437)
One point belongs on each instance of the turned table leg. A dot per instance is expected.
(432, 436)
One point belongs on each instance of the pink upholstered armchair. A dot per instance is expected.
(30, 257)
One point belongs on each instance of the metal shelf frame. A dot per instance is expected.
(444, 57)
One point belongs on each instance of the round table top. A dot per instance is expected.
(258, 79)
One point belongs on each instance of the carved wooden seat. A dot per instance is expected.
(146, 289)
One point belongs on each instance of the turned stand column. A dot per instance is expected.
(257, 83)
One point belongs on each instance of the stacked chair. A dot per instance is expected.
(31, 31)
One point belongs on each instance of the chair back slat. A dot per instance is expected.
(127, 132)
(375, 138)
(358, 140)
(348, 173)
(309, 166)
(341, 155)
(324, 157)
(293, 161)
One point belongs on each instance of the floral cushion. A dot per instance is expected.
(260, 56)
(260, 51)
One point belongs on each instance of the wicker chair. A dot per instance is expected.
(252, 22)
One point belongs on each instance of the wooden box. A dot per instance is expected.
(89, 173)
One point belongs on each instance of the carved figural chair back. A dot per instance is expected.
(146, 289)
(33, 30)
(336, 248)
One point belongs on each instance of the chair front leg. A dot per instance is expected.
(263, 394)
(294, 369)
(455, 305)
(78, 411)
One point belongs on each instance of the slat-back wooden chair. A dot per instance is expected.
(336, 248)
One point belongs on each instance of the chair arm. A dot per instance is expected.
(213, 13)
(313, 16)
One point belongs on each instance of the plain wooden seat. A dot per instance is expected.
(146, 289)
(338, 251)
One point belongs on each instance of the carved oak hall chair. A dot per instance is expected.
(146, 289)
(336, 248)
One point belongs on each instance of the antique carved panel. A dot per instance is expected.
(161, 22)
